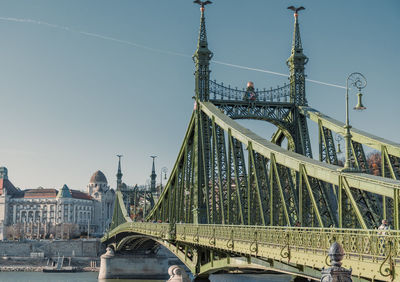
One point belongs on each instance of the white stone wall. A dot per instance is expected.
(103, 205)
(51, 211)
(3, 215)
(78, 248)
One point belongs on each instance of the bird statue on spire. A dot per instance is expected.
(295, 10)
(202, 3)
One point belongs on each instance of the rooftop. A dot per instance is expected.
(98, 177)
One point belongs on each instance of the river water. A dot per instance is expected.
(92, 277)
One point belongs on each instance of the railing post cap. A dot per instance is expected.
(336, 254)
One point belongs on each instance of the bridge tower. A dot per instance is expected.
(201, 58)
(119, 173)
(296, 63)
(153, 177)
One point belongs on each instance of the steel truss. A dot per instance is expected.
(269, 207)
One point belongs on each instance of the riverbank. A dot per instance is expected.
(29, 268)
(52, 248)
(26, 264)
(92, 277)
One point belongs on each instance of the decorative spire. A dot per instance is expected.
(119, 173)
(153, 176)
(202, 58)
(3, 173)
(296, 63)
(64, 192)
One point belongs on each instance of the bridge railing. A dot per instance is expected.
(159, 230)
(368, 244)
(222, 92)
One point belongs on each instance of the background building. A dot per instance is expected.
(41, 212)
(103, 201)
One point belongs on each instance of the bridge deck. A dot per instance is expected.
(367, 252)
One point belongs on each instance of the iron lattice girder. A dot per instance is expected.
(359, 156)
(359, 136)
(241, 184)
(120, 215)
(367, 202)
(327, 148)
(284, 115)
(189, 137)
(390, 164)
(242, 199)
(325, 172)
(274, 112)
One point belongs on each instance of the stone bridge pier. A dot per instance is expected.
(114, 265)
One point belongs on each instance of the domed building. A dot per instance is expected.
(97, 183)
(103, 197)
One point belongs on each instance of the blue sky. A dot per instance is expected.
(70, 100)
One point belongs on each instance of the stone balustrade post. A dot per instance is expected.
(336, 273)
(177, 274)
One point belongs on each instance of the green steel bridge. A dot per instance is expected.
(271, 208)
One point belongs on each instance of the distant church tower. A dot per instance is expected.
(153, 177)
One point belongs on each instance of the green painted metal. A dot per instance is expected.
(359, 136)
(274, 156)
(239, 204)
(327, 149)
(222, 210)
(304, 176)
(120, 215)
(308, 247)
(325, 172)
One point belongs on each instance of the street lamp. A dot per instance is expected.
(148, 181)
(163, 170)
(357, 80)
(338, 139)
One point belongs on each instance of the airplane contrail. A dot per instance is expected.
(162, 51)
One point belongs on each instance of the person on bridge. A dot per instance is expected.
(383, 231)
(250, 94)
(383, 226)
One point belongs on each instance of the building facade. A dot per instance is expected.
(38, 212)
(103, 201)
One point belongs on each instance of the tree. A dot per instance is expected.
(374, 163)
(15, 231)
(71, 230)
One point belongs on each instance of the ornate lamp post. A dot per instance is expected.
(338, 139)
(357, 80)
(163, 170)
(148, 184)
